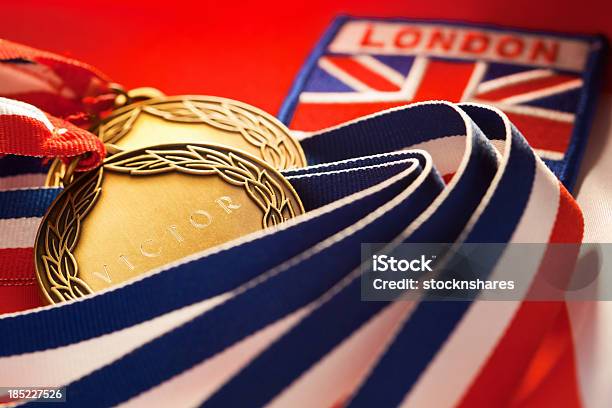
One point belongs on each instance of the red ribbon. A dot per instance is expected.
(65, 88)
(27, 131)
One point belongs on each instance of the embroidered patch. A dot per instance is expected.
(546, 83)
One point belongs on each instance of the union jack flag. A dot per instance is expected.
(361, 69)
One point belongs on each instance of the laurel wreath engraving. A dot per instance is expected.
(61, 236)
(62, 226)
(274, 145)
(264, 190)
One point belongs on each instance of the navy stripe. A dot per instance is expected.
(15, 61)
(26, 202)
(332, 186)
(385, 133)
(592, 79)
(15, 165)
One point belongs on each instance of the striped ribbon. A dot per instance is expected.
(69, 92)
(275, 317)
(61, 86)
(27, 131)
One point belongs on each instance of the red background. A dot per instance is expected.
(246, 50)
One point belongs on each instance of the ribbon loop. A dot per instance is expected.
(26, 130)
(61, 86)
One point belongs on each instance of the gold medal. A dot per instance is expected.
(193, 119)
(149, 206)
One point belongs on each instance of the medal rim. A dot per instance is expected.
(215, 99)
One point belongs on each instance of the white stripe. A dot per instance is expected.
(28, 180)
(513, 79)
(531, 110)
(477, 74)
(591, 321)
(300, 134)
(188, 390)
(76, 360)
(549, 154)
(594, 186)
(381, 69)
(446, 152)
(540, 213)
(333, 70)
(13, 107)
(414, 78)
(500, 145)
(339, 373)
(487, 320)
(542, 93)
(22, 78)
(354, 97)
(543, 154)
(18, 232)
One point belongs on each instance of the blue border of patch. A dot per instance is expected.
(567, 169)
